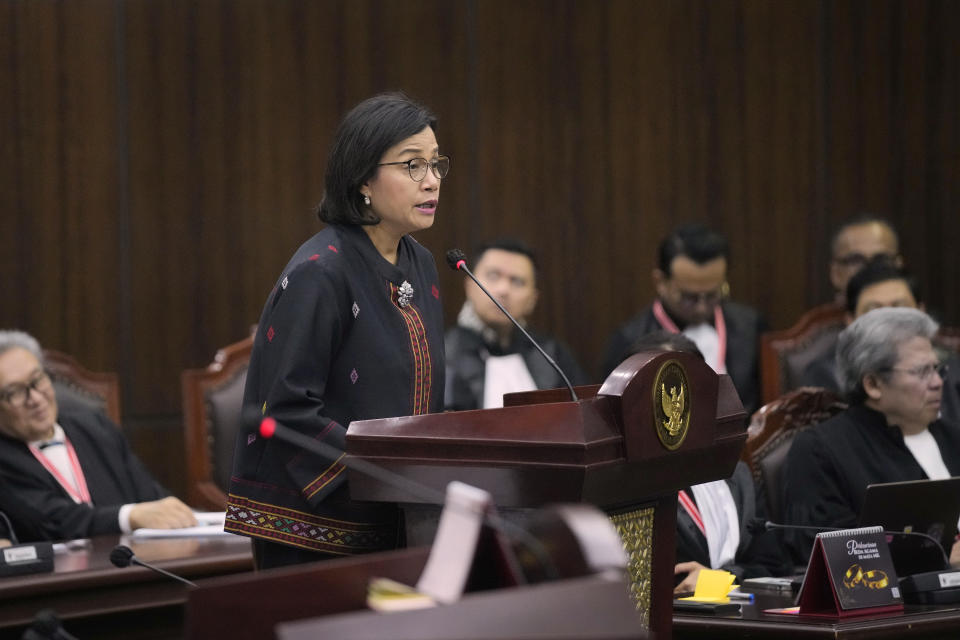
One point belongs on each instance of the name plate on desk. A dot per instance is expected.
(850, 573)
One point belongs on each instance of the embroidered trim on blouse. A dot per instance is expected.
(305, 530)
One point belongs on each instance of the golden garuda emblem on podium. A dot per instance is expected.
(671, 404)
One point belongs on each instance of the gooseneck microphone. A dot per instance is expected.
(759, 525)
(270, 428)
(458, 262)
(123, 556)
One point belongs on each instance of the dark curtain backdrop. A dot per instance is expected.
(159, 161)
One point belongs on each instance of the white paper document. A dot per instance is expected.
(209, 523)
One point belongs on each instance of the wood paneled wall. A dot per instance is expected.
(159, 161)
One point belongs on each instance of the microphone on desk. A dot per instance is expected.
(123, 556)
(759, 525)
(458, 262)
(269, 428)
(26, 558)
(47, 626)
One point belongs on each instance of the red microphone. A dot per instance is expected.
(268, 427)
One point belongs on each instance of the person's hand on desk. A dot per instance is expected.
(4, 543)
(168, 513)
(688, 584)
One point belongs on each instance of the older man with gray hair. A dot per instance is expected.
(71, 475)
(891, 432)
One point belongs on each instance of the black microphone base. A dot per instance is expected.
(932, 587)
(24, 559)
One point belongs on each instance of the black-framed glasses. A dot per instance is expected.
(925, 372)
(16, 395)
(859, 260)
(417, 167)
(709, 298)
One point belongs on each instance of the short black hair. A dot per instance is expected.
(513, 245)
(364, 135)
(859, 220)
(695, 241)
(879, 269)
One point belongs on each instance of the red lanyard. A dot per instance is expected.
(661, 315)
(691, 508)
(78, 489)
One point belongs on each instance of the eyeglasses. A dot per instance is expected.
(16, 395)
(859, 260)
(708, 298)
(925, 372)
(417, 167)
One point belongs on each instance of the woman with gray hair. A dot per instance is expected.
(891, 432)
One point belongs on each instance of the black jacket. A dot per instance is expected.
(334, 344)
(830, 465)
(758, 554)
(466, 354)
(744, 326)
(38, 506)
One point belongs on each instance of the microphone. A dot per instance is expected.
(270, 428)
(10, 532)
(458, 262)
(123, 556)
(22, 559)
(759, 525)
(47, 626)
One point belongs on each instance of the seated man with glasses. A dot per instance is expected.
(891, 432)
(862, 239)
(877, 285)
(692, 290)
(70, 475)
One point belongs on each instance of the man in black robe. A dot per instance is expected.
(486, 355)
(692, 298)
(68, 475)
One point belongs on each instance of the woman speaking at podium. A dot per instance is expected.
(352, 330)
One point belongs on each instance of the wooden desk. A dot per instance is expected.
(916, 621)
(97, 600)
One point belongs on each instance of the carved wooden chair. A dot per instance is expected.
(77, 386)
(212, 399)
(785, 355)
(771, 432)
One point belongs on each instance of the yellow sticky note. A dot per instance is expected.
(713, 585)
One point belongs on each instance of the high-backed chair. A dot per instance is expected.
(771, 432)
(948, 338)
(212, 399)
(77, 386)
(785, 355)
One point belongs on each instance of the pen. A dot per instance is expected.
(739, 595)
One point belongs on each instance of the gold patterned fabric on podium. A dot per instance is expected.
(636, 531)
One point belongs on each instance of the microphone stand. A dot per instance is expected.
(457, 261)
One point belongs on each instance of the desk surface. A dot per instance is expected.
(917, 620)
(85, 587)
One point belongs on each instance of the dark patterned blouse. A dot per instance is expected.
(344, 336)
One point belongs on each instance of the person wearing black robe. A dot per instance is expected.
(353, 330)
(68, 472)
(692, 299)
(890, 433)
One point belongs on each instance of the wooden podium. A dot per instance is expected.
(659, 423)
